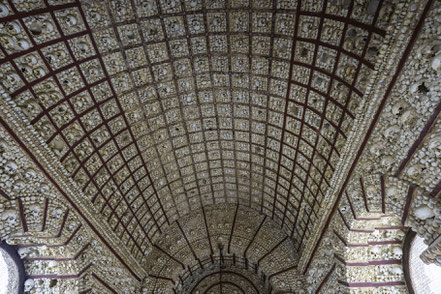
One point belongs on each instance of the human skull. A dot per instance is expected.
(414, 170)
(391, 191)
(392, 131)
(10, 218)
(399, 108)
(397, 252)
(374, 251)
(57, 213)
(408, 117)
(436, 62)
(26, 252)
(71, 226)
(28, 285)
(435, 142)
(396, 270)
(35, 211)
(387, 234)
(10, 167)
(23, 252)
(376, 148)
(46, 251)
(30, 174)
(400, 234)
(52, 264)
(423, 212)
(371, 191)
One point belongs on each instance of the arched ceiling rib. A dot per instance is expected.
(156, 108)
(247, 244)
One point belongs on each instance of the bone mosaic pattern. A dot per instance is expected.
(191, 136)
(213, 102)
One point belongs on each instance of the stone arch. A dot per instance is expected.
(58, 249)
(37, 224)
(43, 231)
(228, 234)
(14, 277)
(372, 215)
(373, 254)
(369, 218)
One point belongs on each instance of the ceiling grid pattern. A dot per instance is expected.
(158, 108)
(351, 89)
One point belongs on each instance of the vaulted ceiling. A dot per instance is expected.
(158, 108)
(164, 110)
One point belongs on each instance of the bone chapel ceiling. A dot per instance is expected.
(187, 141)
